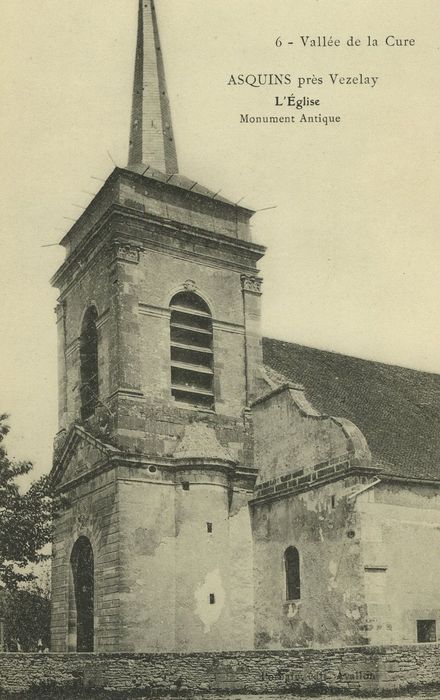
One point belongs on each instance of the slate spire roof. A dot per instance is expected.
(151, 132)
(152, 148)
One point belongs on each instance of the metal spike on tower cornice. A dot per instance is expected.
(151, 134)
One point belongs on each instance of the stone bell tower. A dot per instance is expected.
(159, 352)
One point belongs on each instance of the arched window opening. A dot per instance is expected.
(192, 375)
(89, 363)
(82, 565)
(293, 580)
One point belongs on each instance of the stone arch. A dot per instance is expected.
(191, 286)
(91, 304)
(88, 351)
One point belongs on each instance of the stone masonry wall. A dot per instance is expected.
(93, 513)
(352, 669)
(288, 441)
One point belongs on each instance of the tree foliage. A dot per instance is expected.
(27, 619)
(25, 518)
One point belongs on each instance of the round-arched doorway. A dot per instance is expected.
(83, 599)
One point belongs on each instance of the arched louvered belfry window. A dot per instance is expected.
(192, 374)
(89, 363)
(293, 579)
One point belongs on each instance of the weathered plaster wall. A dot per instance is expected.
(322, 524)
(400, 530)
(148, 571)
(217, 563)
(286, 439)
(171, 564)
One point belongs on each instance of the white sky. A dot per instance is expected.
(353, 245)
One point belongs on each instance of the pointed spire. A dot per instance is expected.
(151, 134)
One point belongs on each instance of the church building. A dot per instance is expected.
(219, 490)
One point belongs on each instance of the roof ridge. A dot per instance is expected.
(353, 357)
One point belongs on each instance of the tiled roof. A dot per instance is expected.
(397, 409)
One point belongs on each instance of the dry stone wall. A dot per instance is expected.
(353, 669)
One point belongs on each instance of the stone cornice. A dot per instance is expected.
(301, 481)
(94, 203)
(202, 463)
(156, 311)
(140, 239)
(81, 257)
(191, 194)
(163, 312)
(384, 477)
(143, 463)
(227, 327)
(180, 229)
(112, 457)
(127, 393)
(278, 390)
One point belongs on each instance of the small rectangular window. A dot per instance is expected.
(293, 580)
(209, 527)
(333, 501)
(212, 599)
(185, 485)
(426, 631)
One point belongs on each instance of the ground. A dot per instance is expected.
(425, 694)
